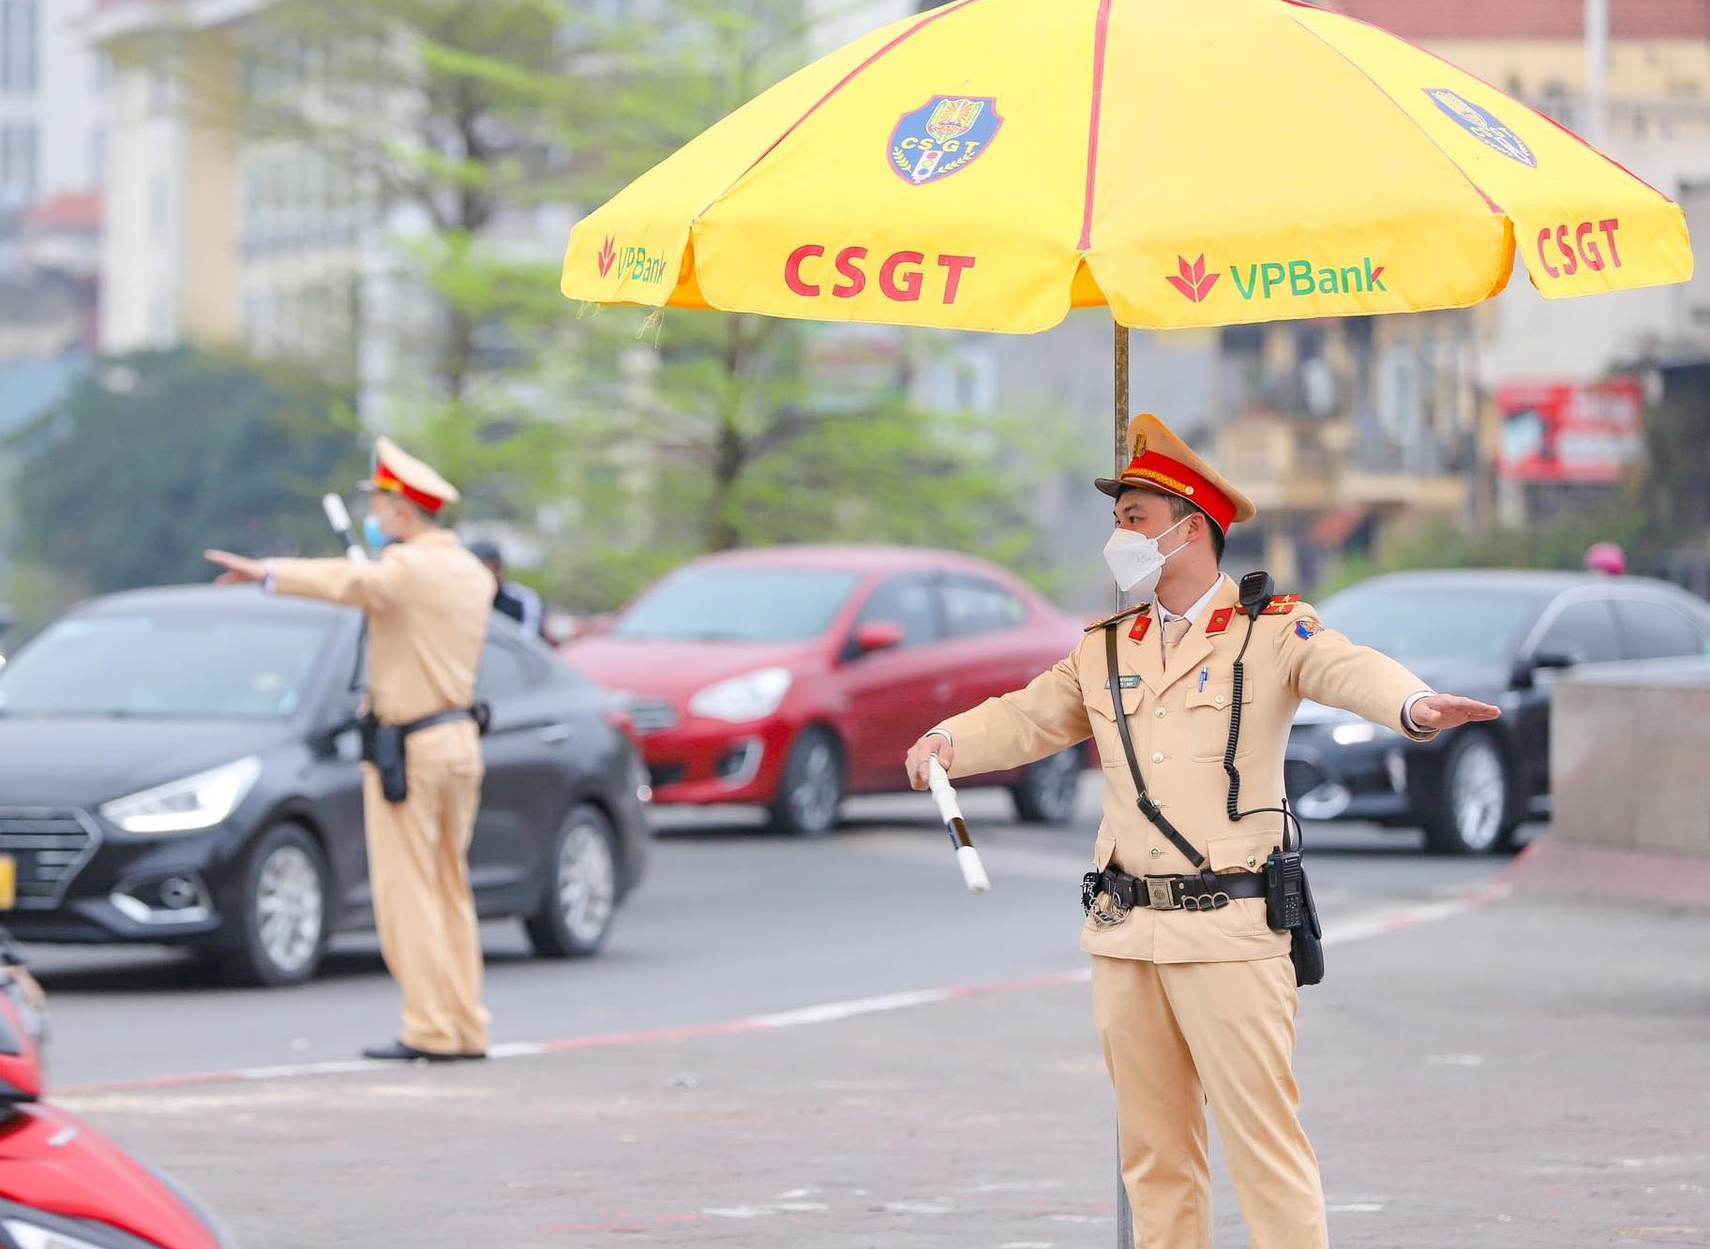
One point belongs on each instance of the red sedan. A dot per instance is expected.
(792, 676)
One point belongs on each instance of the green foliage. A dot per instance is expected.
(737, 443)
(652, 441)
(1628, 520)
(124, 486)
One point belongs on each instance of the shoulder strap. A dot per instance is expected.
(1148, 808)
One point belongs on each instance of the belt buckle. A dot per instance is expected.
(1161, 893)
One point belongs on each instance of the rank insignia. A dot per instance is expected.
(1137, 631)
(1282, 605)
(1306, 628)
(1219, 620)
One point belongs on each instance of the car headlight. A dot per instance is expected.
(743, 698)
(32, 1236)
(1359, 733)
(199, 801)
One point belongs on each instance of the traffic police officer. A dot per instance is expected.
(1193, 1005)
(428, 601)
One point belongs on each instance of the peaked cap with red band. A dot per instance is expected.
(398, 472)
(1161, 461)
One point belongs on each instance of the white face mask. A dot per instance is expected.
(1136, 562)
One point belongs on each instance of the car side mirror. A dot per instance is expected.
(579, 627)
(1526, 670)
(877, 635)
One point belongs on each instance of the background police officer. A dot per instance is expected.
(512, 598)
(428, 601)
(1193, 1005)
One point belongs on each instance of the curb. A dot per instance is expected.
(1562, 869)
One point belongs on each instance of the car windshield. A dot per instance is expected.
(738, 605)
(167, 665)
(1472, 624)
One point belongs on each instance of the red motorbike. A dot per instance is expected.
(63, 1185)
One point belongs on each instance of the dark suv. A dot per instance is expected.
(181, 769)
(1497, 636)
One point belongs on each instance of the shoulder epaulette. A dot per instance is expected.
(1100, 623)
(1280, 605)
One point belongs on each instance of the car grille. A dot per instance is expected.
(50, 848)
(652, 715)
(665, 774)
(1301, 778)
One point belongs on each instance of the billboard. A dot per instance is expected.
(1566, 431)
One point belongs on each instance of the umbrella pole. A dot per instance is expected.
(1124, 1212)
(1121, 397)
(1121, 357)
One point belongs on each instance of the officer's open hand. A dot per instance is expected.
(922, 751)
(238, 568)
(1448, 711)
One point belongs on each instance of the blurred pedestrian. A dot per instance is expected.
(512, 598)
(1188, 695)
(1606, 558)
(427, 601)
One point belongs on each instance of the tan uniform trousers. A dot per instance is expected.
(418, 867)
(1179, 1035)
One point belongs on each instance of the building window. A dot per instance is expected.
(18, 163)
(20, 29)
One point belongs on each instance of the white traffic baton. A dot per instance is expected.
(967, 858)
(338, 516)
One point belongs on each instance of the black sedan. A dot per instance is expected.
(1489, 635)
(180, 769)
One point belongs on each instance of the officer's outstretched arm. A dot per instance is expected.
(371, 586)
(1323, 665)
(1020, 727)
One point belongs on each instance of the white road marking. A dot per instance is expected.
(832, 1012)
(1375, 923)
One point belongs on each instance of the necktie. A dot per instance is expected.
(1172, 633)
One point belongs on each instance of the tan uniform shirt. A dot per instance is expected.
(1179, 719)
(428, 601)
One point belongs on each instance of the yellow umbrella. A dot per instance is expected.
(992, 163)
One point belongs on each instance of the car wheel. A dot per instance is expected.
(811, 789)
(576, 912)
(1470, 809)
(1047, 790)
(279, 930)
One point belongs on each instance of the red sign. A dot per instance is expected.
(1568, 432)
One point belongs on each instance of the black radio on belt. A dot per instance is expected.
(1285, 890)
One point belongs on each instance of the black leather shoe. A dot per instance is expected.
(397, 1051)
(473, 1056)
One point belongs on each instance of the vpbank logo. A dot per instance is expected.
(1271, 279)
(1192, 280)
(607, 255)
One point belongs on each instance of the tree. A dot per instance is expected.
(127, 480)
(657, 438)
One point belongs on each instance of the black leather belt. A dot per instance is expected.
(438, 718)
(1172, 893)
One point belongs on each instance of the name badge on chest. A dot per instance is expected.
(1124, 681)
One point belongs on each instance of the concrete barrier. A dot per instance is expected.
(1630, 775)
